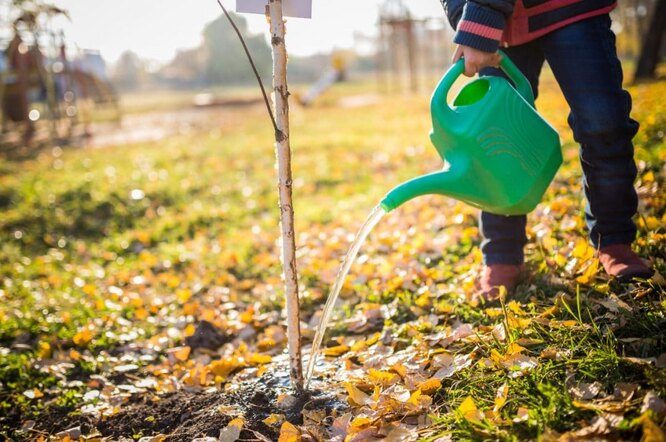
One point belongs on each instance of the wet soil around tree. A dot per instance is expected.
(186, 415)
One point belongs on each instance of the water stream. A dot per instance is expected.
(375, 216)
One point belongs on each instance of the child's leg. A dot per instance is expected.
(504, 236)
(584, 61)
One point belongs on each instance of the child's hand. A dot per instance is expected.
(475, 60)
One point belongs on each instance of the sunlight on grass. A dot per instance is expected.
(110, 259)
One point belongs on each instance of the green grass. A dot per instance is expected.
(128, 245)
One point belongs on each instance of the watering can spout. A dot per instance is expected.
(449, 182)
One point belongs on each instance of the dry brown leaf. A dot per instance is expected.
(522, 415)
(586, 391)
(653, 403)
(232, 432)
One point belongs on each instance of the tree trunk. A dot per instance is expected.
(283, 151)
(650, 51)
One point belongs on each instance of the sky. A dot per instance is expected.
(155, 29)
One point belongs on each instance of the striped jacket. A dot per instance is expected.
(485, 24)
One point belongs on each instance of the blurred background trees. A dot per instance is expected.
(218, 59)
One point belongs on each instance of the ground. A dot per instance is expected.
(140, 292)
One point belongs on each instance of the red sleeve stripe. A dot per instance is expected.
(480, 30)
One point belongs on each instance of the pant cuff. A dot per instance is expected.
(504, 258)
(609, 240)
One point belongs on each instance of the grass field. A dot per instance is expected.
(114, 261)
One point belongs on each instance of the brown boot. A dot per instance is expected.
(623, 264)
(495, 276)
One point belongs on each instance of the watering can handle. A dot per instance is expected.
(511, 70)
(523, 86)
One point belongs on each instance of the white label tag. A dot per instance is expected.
(290, 8)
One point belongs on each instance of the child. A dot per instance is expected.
(575, 38)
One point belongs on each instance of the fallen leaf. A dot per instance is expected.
(232, 432)
(83, 337)
(356, 396)
(35, 393)
(653, 403)
(501, 397)
(289, 433)
(430, 386)
(274, 419)
(586, 391)
(589, 273)
(335, 351)
(522, 415)
(179, 353)
(469, 411)
(651, 431)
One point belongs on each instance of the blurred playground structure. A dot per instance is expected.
(46, 92)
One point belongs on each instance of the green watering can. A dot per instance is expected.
(500, 154)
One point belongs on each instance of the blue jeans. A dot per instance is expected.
(583, 59)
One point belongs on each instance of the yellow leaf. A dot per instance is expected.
(183, 295)
(224, 367)
(516, 308)
(423, 301)
(83, 336)
(336, 351)
(415, 397)
(172, 281)
(400, 369)
(500, 397)
(238, 423)
(189, 330)
(89, 289)
(651, 431)
(208, 314)
(262, 370)
(289, 433)
(514, 349)
(247, 315)
(382, 377)
(560, 260)
(44, 350)
(190, 308)
(469, 411)
(257, 358)
(372, 340)
(430, 386)
(356, 396)
(583, 251)
(181, 353)
(360, 422)
(274, 419)
(589, 273)
(75, 355)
